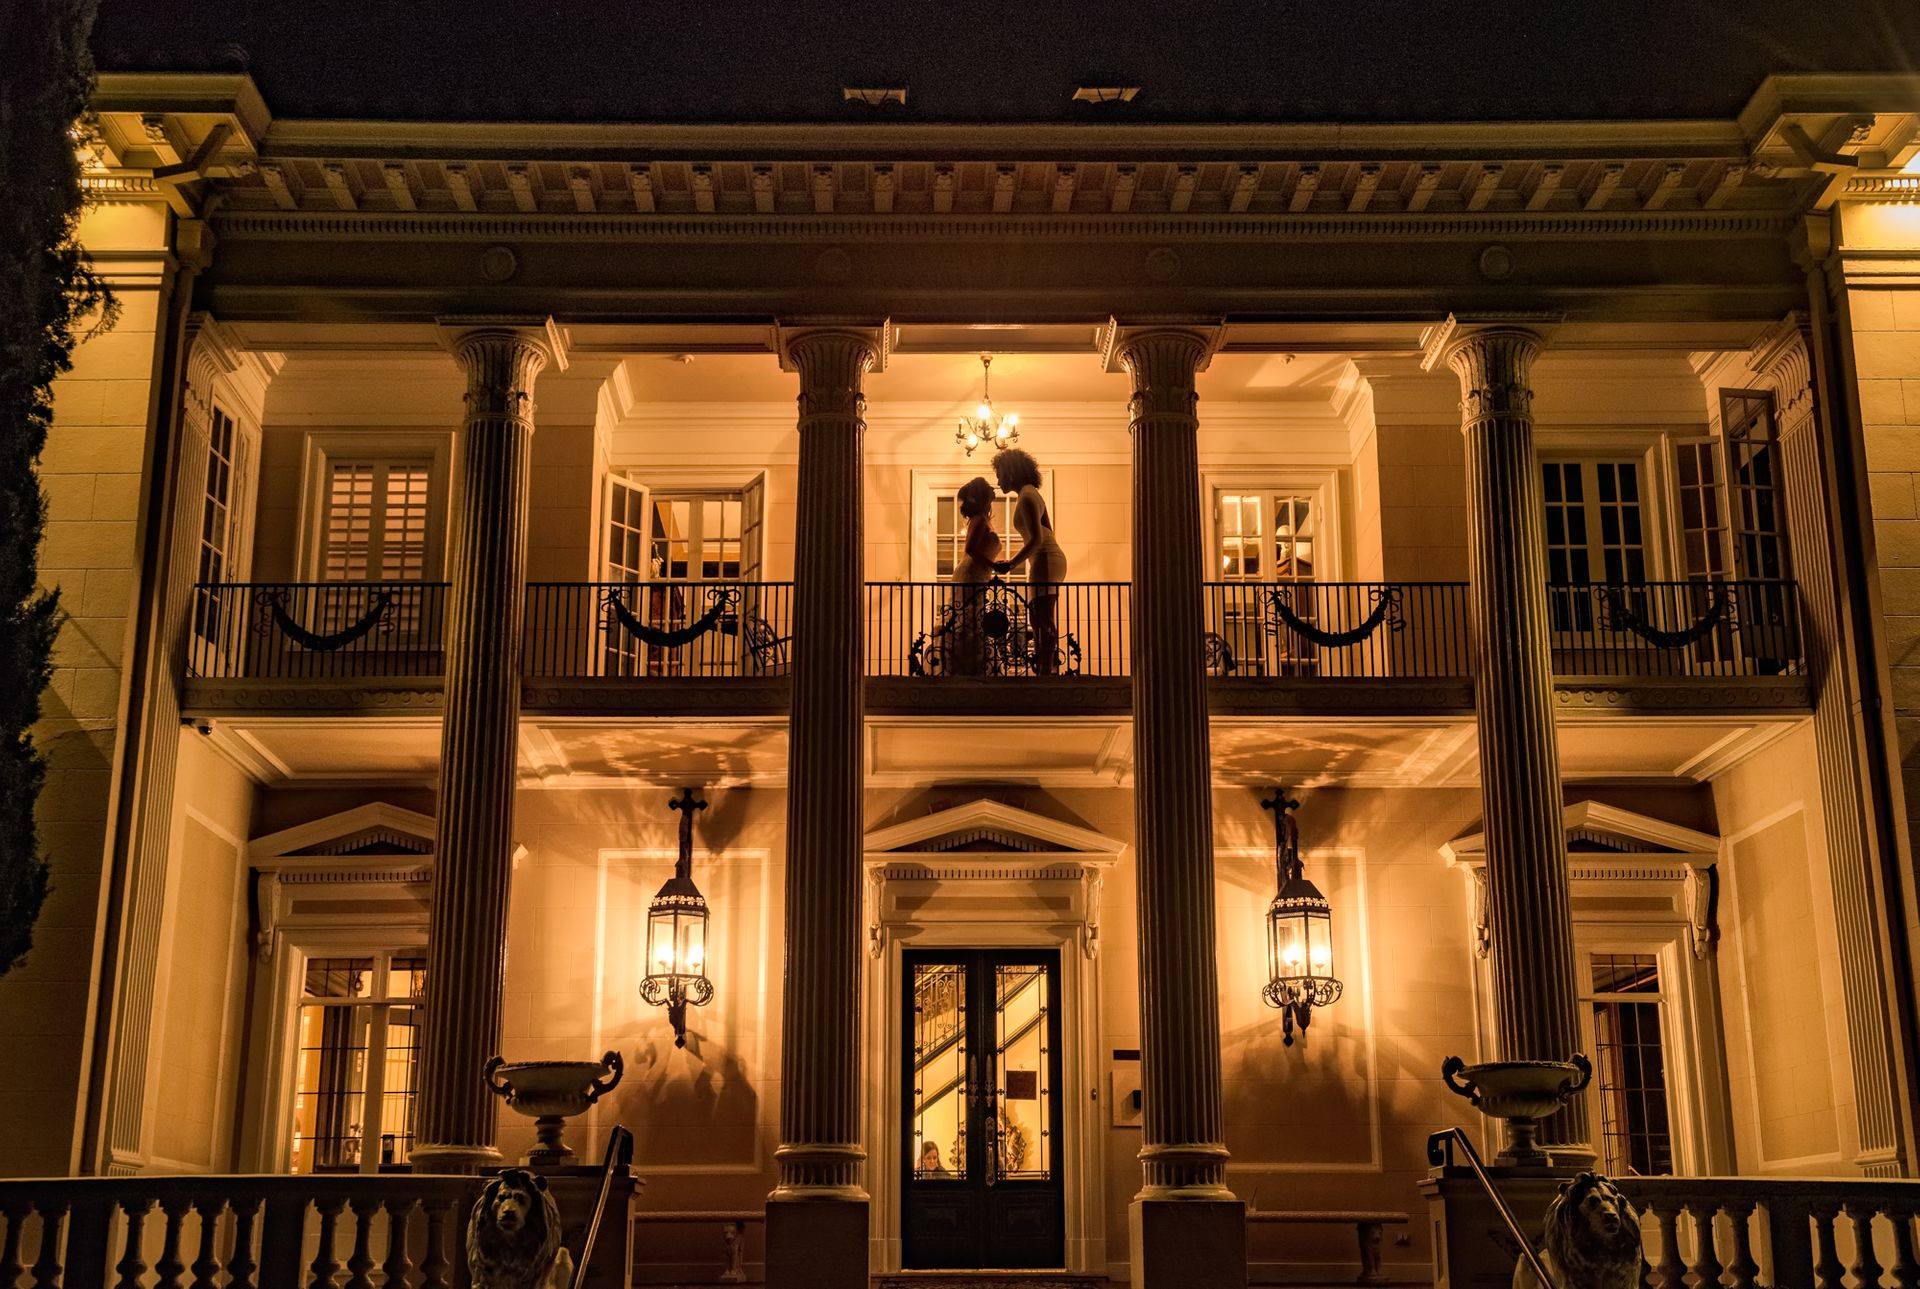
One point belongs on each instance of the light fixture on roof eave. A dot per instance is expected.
(1105, 93)
(875, 95)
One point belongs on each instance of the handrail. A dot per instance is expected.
(619, 1155)
(1440, 1154)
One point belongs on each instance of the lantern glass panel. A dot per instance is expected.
(1319, 934)
(661, 935)
(691, 942)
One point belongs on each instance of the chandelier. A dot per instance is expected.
(676, 965)
(1299, 929)
(987, 425)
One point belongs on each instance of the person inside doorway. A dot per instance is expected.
(930, 1164)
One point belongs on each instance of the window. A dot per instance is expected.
(1595, 533)
(684, 535)
(376, 523)
(1264, 537)
(1251, 550)
(1624, 1001)
(1754, 468)
(220, 519)
(660, 538)
(356, 1066)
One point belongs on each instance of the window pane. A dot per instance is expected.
(349, 531)
(940, 1073)
(339, 978)
(1024, 1134)
(1630, 1080)
(330, 1083)
(400, 1084)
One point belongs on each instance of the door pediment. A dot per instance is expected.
(978, 869)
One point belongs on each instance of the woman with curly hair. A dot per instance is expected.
(1019, 476)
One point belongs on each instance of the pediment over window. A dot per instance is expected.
(990, 827)
(1595, 829)
(375, 831)
(1625, 867)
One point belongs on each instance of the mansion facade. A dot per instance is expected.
(510, 578)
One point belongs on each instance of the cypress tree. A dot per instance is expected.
(48, 292)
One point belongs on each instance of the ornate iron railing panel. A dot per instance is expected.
(316, 630)
(1414, 630)
(997, 629)
(1692, 629)
(657, 630)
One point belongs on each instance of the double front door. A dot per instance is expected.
(982, 1185)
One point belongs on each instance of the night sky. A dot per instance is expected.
(1229, 60)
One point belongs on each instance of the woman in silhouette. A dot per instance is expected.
(1019, 476)
(966, 646)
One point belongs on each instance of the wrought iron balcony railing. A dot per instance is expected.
(942, 630)
(657, 630)
(317, 630)
(939, 631)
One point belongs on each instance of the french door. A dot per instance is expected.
(982, 1182)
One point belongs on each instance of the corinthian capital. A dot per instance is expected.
(1494, 362)
(832, 361)
(1163, 360)
(501, 358)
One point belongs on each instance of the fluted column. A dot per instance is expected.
(817, 1216)
(1535, 997)
(1183, 1151)
(473, 866)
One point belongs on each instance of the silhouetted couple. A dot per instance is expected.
(1046, 564)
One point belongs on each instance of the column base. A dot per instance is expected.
(816, 1243)
(1188, 1243)
(454, 1159)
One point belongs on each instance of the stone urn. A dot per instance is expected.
(550, 1093)
(1520, 1094)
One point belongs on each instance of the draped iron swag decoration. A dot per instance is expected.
(1386, 609)
(273, 609)
(1299, 929)
(722, 601)
(1613, 608)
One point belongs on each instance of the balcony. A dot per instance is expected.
(725, 649)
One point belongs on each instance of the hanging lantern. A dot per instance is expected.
(676, 947)
(1299, 929)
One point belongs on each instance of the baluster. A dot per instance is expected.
(325, 1265)
(46, 1267)
(1826, 1267)
(435, 1266)
(10, 1264)
(1866, 1265)
(1670, 1272)
(206, 1263)
(399, 1265)
(242, 1266)
(170, 1268)
(1742, 1270)
(1906, 1271)
(360, 1263)
(1705, 1270)
(130, 1266)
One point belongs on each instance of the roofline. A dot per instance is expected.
(1565, 139)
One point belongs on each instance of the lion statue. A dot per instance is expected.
(1591, 1241)
(513, 1236)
